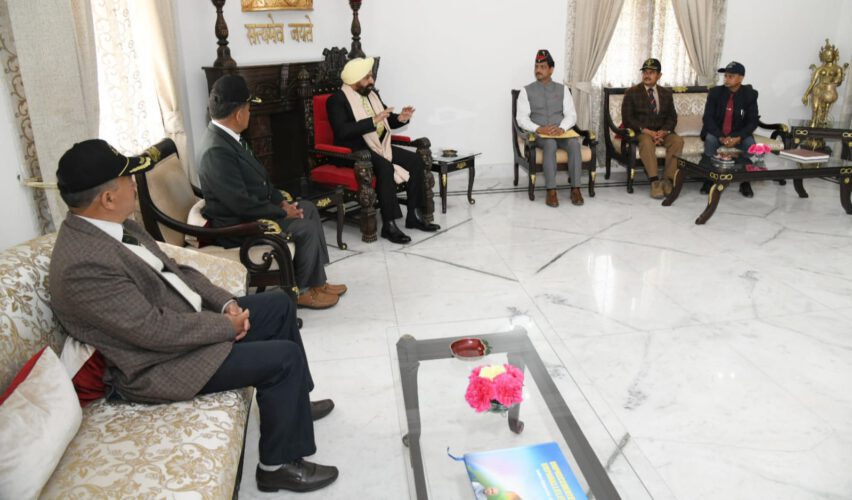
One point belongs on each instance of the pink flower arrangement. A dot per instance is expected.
(489, 384)
(759, 149)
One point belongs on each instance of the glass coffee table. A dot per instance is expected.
(772, 167)
(436, 420)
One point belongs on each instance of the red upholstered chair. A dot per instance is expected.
(357, 183)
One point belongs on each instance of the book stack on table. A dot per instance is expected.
(804, 155)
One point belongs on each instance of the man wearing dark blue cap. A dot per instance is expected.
(237, 189)
(730, 117)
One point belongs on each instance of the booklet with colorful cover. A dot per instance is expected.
(530, 472)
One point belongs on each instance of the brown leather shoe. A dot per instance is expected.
(333, 289)
(576, 197)
(552, 199)
(657, 190)
(667, 187)
(314, 298)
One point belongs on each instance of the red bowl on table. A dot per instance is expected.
(470, 349)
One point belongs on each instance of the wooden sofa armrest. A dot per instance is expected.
(626, 134)
(781, 130)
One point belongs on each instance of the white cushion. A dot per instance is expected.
(195, 219)
(37, 421)
(689, 125)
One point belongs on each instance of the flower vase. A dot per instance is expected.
(758, 160)
(498, 407)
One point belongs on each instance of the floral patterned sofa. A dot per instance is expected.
(689, 103)
(122, 450)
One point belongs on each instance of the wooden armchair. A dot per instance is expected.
(327, 170)
(167, 201)
(528, 155)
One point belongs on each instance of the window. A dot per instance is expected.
(130, 117)
(646, 28)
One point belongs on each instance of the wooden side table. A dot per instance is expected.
(801, 131)
(445, 164)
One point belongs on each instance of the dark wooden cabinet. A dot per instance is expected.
(277, 128)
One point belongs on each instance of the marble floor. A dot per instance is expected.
(721, 353)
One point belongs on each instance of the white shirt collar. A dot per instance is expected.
(113, 229)
(230, 132)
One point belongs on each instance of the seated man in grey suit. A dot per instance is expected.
(166, 332)
(237, 189)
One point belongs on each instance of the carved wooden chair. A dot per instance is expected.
(529, 156)
(324, 171)
(169, 207)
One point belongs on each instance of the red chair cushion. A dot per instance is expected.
(332, 175)
(323, 133)
(332, 149)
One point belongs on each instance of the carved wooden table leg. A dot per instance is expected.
(800, 188)
(443, 188)
(471, 174)
(722, 182)
(846, 189)
(676, 185)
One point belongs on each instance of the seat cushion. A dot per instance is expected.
(333, 175)
(561, 154)
(155, 451)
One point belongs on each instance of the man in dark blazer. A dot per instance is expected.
(730, 117)
(371, 130)
(166, 332)
(648, 109)
(237, 189)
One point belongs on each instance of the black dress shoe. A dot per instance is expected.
(299, 475)
(423, 226)
(745, 189)
(393, 233)
(705, 188)
(321, 408)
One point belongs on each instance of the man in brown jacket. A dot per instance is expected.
(166, 332)
(648, 109)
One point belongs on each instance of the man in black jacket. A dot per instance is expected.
(237, 189)
(730, 117)
(360, 120)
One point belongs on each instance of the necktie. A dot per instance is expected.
(245, 144)
(652, 100)
(380, 127)
(130, 240)
(728, 122)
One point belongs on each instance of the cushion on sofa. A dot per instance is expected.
(86, 367)
(39, 416)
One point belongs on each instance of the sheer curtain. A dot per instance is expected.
(646, 28)
(130, 117)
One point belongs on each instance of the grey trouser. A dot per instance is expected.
(311, 249)
(548, 157)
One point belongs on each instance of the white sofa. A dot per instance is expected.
(190, 449)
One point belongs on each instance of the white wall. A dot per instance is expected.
(777, 41)
(455, 61)
(197, 41)
(18, 223)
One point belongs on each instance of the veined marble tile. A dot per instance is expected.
(689, 385)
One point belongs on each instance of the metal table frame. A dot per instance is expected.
(521, 353)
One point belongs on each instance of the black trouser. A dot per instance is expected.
(272, 359)
(386, 187)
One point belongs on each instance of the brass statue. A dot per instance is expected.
(824, 83)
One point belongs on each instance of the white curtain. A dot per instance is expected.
(53, 39)
(702, 24)
(130, 111)
(593, 24)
